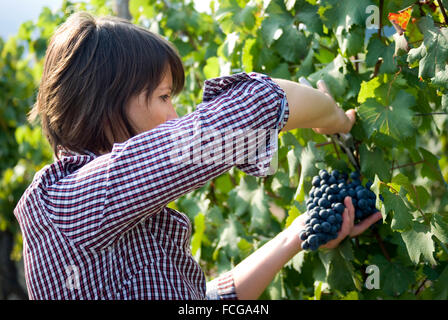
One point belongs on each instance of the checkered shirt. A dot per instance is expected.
(98, 227)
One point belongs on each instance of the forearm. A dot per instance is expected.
(311, 108)
(253, 274)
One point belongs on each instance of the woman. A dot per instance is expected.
(95, 223)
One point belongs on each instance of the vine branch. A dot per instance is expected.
(445, 17)
(430, 114)
(381, 244)
(421, 287)
(407, 164)
(323, 144)
(381, 19)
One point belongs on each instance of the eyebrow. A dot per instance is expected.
(166, 88)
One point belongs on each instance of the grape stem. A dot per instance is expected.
(418, 204)
(390, 187)
(421, 287)
(212, 193)
(323, 144)
(408, 164)
(445, 17)
(381, 244)
(444, 248)
(422, 13)
(381, 19)
(430, 114)
(336, 149)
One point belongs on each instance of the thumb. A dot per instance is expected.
(351, 115)
(364, 224)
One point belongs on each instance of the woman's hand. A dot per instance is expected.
(348, 228)
(344, 120)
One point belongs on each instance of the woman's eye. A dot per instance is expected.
(165, 97)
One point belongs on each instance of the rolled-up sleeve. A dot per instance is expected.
(237, 124)
(222, 288)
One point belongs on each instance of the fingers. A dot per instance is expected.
(346, 118)
(348, 217)
(348, 227)
(322, 86)
(365, 224)
(350, 115)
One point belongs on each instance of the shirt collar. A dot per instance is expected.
(65, 152)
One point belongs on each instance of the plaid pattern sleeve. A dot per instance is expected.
(106, 216)
(222, 288)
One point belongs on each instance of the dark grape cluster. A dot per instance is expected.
(325, 205)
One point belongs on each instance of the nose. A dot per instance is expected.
(172, 114)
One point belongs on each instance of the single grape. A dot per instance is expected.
(305, 245)
(334, 229)
(316, 181)
(331, 219)
(362, 203)
(332, 180)
(354, 175)
(339, 207)
(314, 214)
(303, 235)
(325, 226)
(324, 175)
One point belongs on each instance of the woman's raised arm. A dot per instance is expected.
(314, 108)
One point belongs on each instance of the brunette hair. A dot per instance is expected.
(93, 66)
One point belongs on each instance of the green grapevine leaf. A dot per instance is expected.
(333, 75)
(308, 158)
(247, 58)
(346, 13)
(338, 266)
(394, 277)
(229, 238)
(298, 261)
(294, 162)
(433, 52)
(431, 167)
(377, 49)
(259, 210)
(196, 240)
(211, 69)
(251, 197)
(418, 194)
(394, 120)
(245, 16)
(276, 288)
(439, 227)
(372, 162)
(275, 20)
(292, 45)
(307, 66)
(419, 243)
(306, 13)
(402, 219)
(351, 42)
(368, 89)
(440, 287)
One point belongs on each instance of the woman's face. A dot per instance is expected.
(146, 114)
